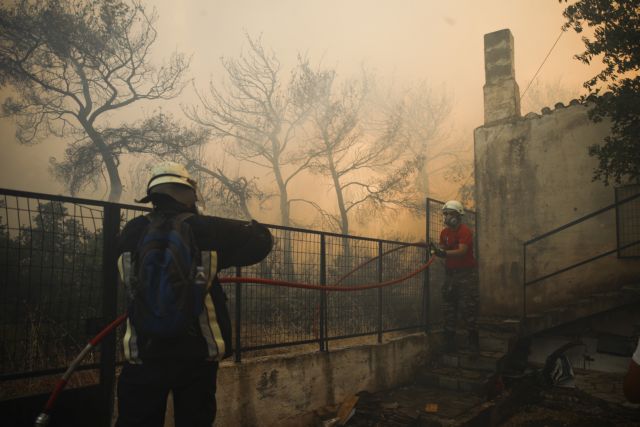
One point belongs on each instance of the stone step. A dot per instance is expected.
(500, 324)
(596, 303)
(485, 361)
(459, 379)
(496, 342)
(632, 291)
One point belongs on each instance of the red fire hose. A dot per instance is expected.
(43, 419)
(328, 287)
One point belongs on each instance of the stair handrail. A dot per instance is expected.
(578, 264)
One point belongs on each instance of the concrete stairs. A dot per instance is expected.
(485, 361)
(464, 375)
(469, 372)
(456, 378)
(503, 344)
(593, 304)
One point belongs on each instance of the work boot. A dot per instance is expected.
(449, 342)
(473, 341)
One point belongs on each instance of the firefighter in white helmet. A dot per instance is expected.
(171, 182)
(173, 344)
(460, 287)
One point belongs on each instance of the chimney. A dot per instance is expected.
(501, 92)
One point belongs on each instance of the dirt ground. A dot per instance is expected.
(595, 401)
(535, 416)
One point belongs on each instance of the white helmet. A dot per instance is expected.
(453, 205)
(163, 175)
(170, 172)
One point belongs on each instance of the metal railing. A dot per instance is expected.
(58, 286)
(624, 241)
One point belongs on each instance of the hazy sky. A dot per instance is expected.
(401, 40)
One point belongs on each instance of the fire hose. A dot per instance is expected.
(332, 288)
(44, 417)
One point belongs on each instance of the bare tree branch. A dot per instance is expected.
(70, 63)
(356, 146)
(258, 114)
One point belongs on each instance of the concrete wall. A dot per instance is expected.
(285, 390)
(534, 174)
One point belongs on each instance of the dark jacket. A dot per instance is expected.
(236, 243)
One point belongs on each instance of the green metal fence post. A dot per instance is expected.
(379, 292)
(323, 294)
(238, 312)
(110, 229)
(426, 277)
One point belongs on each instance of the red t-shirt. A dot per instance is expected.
(451, 239)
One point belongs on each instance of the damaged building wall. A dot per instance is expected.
(534, 174)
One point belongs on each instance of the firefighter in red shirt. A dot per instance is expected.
(460, 287)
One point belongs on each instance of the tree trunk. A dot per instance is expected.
(344, 218)
(243, 207)
(285, 221)
(284, 196)
(115, 184)
(423, 180)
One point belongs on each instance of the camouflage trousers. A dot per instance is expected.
(460, 299)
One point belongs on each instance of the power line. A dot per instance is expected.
(543, 61)
(523, 93)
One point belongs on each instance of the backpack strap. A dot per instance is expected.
(125, 268)
(181, 217)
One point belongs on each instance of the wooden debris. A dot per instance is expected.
(431, 408)
(330, 422)
(347, 410)
(392, 405)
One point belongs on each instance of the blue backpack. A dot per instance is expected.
(168, 286)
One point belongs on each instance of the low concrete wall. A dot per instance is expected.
(284, 391)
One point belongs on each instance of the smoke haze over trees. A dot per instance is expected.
(305, 122)
(367, 149)
(431, 132)
(72, 63)
(255, 112)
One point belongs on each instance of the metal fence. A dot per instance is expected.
(628, 221)
(58, 286)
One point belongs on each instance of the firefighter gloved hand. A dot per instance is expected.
(437, 251)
